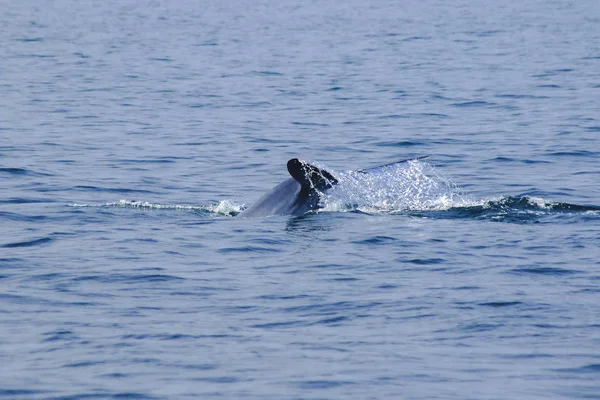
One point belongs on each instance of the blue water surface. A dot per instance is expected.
(133, 133)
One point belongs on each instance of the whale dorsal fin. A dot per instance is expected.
(309, 176)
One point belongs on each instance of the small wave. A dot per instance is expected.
(498, 304)
(224, 207)
(112, 190)
(474, 104)
(14, 171)
(543, 271)
(128, 278)
(585, 369)
(24, 200)
(20, 392)
(21, 172)
(21, 217)
(29, 243)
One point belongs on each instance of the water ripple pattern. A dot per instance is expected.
(133, 133)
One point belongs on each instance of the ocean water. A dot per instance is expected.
(132, 133)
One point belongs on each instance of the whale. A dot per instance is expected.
(302, 192)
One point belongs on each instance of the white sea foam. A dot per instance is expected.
(226, 207)
(540, 203)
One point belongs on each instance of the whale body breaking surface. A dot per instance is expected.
(302, 192)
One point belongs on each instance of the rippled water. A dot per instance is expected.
(133, 133)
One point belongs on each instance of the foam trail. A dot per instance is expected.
(224, 207)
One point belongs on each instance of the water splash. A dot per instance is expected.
(414, 185)
(416, 188)
(226, 207)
